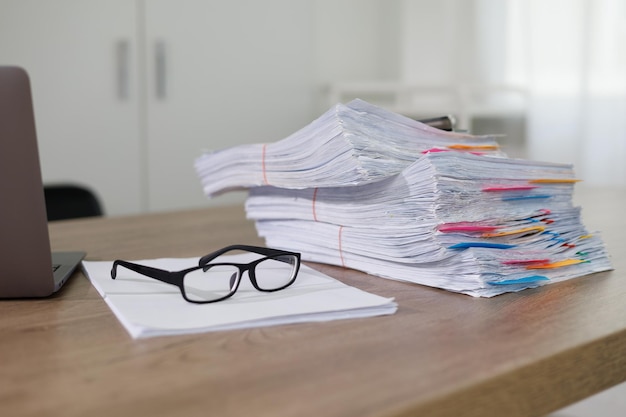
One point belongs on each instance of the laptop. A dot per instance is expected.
(27, 266)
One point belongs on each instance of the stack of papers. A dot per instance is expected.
(461, 217)
(147, 307)
(466, 223)
(351, 144)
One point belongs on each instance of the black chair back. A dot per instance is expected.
(68, 201)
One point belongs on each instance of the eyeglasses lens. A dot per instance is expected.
(211, 283)
(276, 272)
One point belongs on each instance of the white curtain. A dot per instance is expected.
(571, 57)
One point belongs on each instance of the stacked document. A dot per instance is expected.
(453, 213)
(351, 144)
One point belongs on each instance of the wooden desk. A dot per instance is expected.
(441, 354)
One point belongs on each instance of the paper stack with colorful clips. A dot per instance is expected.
(458, 215)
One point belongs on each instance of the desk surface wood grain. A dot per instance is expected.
(441, 354)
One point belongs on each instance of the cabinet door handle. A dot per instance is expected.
(122, 70)
(160, 70)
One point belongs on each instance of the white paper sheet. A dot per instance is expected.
(147, 307)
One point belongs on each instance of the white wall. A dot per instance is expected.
(357, 40)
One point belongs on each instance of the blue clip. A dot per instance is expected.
(526, 197)
(524, 280)
(465, 245)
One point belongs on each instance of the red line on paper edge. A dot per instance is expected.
(263, 165)
(314, 198)
(343, 263)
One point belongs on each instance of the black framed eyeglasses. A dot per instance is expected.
(215, 281)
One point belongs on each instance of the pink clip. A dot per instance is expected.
(449, 228)
(510, 188)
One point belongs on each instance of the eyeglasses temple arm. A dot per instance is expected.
(255, 249)
(159, 274)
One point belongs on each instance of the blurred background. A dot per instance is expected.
(128, 93)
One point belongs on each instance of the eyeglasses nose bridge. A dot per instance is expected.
(250, 269)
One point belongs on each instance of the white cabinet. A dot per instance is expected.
(128, 93)
(87, 133)
(220, 73)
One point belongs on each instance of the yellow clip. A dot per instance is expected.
(554, 181)
(558, 264)
(535, 229)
